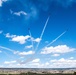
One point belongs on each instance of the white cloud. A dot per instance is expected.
(1, 31)
(33, 14)
(10, 36)
(10, 62)
(36, 63)
(57, 49)
(63, 63)
(55, 55)
(19, 13)
(37, 40)
(39, 65)
(0, 51)
(56, 63)
(27, 47)
(1, 2)
(20, 39)
(36, 60)
(71, 58)
(26, 53)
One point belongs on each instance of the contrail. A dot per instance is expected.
(31, 39)
(29, 59)
(42, 33)
(32, 49)
(8, 55)
(8, 49)
(13, 51)
(56, 38)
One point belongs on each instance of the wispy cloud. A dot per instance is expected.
(1, 2)
(46, 41)
(1, 31)
(47, 3)
(0, 51)
(20, 13)
(10, 36)
(71, 58)
(66, 3)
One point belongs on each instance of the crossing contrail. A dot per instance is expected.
(42, 33)
(56, 39)
(29, 59)
(13, 51)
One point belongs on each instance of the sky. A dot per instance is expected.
(37, 33)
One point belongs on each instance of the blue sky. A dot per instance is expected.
(38, 33)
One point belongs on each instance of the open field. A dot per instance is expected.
(36, 71)
(38, 74)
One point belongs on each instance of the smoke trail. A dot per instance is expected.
(56, 39)
(42, 32)
(8, 49)
(29, 59)
(10, 56)
(24, 62)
